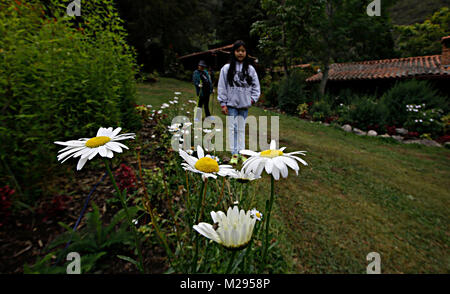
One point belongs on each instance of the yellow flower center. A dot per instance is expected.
(271, 153)
(258, 215)
(97, 141)
(207, 165)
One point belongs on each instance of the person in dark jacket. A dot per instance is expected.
(203, 86)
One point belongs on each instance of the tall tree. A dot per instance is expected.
(423, 38)
(324, 31)
(342, 31)
(235, 19)
(282, 33)
(160, 28)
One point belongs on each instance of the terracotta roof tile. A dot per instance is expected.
(385, 69)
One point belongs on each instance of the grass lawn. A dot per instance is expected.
(358, 195)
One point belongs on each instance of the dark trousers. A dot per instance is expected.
(204, 101)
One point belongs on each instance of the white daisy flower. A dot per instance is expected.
(204, 165)
(149, 106)
(159, 111)
(164, 105)
(232, 230)
(177, 93)
(104, 144)
(274, 161)
(207, 131)
(256, 214)
(243, 177)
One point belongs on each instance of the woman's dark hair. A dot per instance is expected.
(232, 68)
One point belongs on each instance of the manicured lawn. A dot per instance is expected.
(358, 195)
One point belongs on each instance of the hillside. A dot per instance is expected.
(406, 12)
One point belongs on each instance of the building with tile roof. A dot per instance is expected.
(383, 73)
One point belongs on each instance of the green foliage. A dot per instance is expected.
(366, 113)
(293, 92)
(410, 92)
(59, 82)
(92, 242)
(424, 38)
(320, 110)
(423, 120)
(44, 265)
(302, 109)
(96, 236)
(269, 90)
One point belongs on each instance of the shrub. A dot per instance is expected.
(320, 110)
(366, 113)
(424, 121)
(410, 92)
(271, 96)
(58, 82)
(292, 92)
(302, 110)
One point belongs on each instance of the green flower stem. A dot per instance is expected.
(188, 191)
(149, 209)
(268, 211)
(199, 204)
(240, 198)
(249, 248)
(230, 264)
(130, 223)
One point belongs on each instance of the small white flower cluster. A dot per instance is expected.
(414, 108)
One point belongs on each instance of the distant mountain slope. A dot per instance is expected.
(406, 12)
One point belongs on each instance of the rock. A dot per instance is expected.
(398, 138)
(401, 131)
(385, 136)
(347, 128)
(359, 132)
(423, 142)
(372, 133)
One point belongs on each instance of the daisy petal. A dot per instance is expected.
(248, 152)
(273, 145)
(200, 152)
(81, 163)
(114, 147)
(103, 151)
